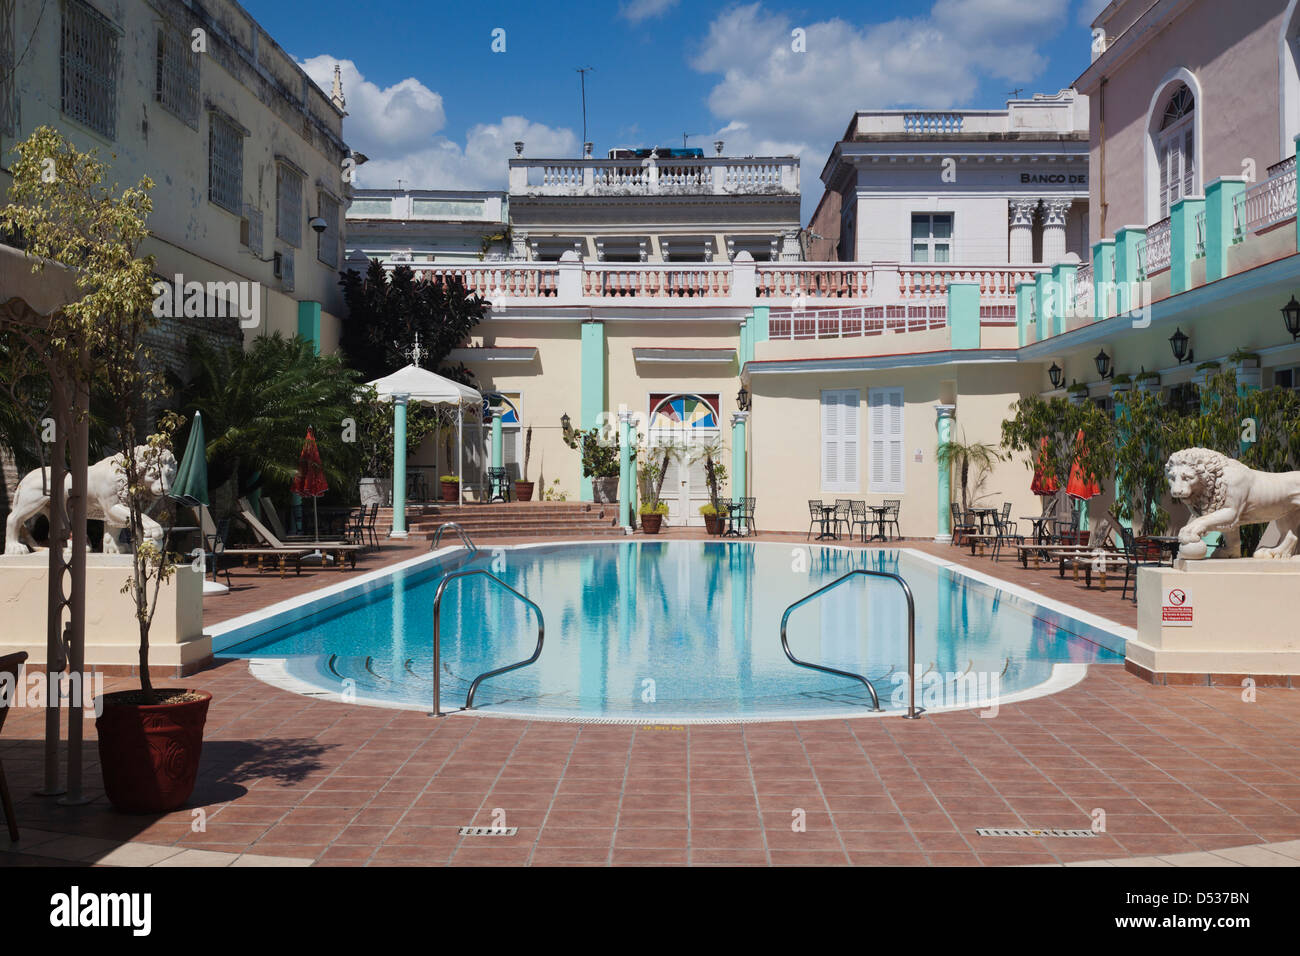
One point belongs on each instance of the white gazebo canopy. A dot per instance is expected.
(421, 385)
(416, 384)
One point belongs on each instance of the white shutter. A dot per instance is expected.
(840, 440)
(886, 458)
(1165, 157)
(510, 453)
(1189, 162)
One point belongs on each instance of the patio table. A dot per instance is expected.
(880, 512)
(735, 511)
(827, 519)
(983, 514)
(1039, 522)
(1166, 542)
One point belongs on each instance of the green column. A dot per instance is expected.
(626, 473)
(1126, 266)
(738, 448)
(1249, 379)
(1063, 278)
(746, 351)
(309, 323)
(943, 423)
(1025, 313)
(964, 315)
(1182, 241)
(1046, 305)
(1220, 232)
(1103, 278)
(399, 466)
(760, 328)
(593, 386)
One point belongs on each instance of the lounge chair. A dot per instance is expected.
(214, 539)
(10, 664)
(294, 550)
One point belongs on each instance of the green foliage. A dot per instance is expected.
(451, 479)
(387, 309)
(257, 404)
(553, 492)
(653, 508)
(963, 456)
(1148, 433)
(709, 510)
(599, 456)
(1060, 421)
(374, 438)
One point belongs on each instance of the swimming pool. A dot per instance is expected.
(673, 631)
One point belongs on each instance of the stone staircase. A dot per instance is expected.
(513, 519)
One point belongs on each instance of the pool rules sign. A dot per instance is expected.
(1176, 607)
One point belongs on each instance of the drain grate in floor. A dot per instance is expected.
(488, 831)
(1031, 832)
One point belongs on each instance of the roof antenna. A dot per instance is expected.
(582, 72)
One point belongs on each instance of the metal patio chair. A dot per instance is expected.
(814, 515)
(891, 517)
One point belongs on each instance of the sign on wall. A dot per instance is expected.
(1176, 607)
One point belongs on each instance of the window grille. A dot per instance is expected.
(288, 205)
(225, 163)
(7, 67)
(88, 58)
(177, 74)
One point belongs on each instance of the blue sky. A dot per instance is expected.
(433, 105)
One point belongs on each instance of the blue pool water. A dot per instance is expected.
(677, 630)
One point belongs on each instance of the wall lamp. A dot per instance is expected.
(1054, 375)
(1104, 368)
(1178, 342)
(1291, 315)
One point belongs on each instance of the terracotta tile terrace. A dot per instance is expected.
(1178, 772)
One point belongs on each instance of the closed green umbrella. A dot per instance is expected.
(191, 484)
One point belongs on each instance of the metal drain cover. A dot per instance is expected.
(488, 831)
(1031, 832)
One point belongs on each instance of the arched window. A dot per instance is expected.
(1175, 142)
(688, 411)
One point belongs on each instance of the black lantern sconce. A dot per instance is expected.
(1054, 375)
(1104, 368)
(567, 426)
(1178, 342)
(1291, 316)
(742, 399)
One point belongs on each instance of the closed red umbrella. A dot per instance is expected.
(1078, 486)
(310, 481)
(1044, 482)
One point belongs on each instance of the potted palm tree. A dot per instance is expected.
(964, 456)
(524, 487)
(715, 476)
(651, 475)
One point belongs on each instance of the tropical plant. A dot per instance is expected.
(965, 455)
(386, 310)
(1148, 432)
(553, 492)
(374, 431)
(652, 466)
(257, 404)
(715, 473)
(599, 455)
(528, 450)
(1061, 421)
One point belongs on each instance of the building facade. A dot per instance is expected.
(425, 225)
(246, 152)
(961, 186)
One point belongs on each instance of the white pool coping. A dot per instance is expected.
(274, 671)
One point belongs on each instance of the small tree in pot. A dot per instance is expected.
(651, 471)
(599, 462)
(715, 476)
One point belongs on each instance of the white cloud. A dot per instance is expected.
(638, 10)
(772, 94)
(1089, 10)
(398, 128)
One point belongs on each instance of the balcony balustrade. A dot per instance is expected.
(1266, 203)
(714, 175)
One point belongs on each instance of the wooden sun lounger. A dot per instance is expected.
(281, 556)
(1038, 551)
(1089, 558)
(339, 549)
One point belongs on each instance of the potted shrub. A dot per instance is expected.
(712, 520)
(715, 476)
(599, 462)
(450, 488)
(524, 487)
(652, 516)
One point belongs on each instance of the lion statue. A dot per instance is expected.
(106, 490)
(1223, 494)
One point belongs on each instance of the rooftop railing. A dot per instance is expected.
(712, 175)
(1266, 203)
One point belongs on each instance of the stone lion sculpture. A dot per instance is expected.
(106, 490)
(1223, 494)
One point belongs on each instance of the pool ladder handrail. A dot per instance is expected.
(437, 638)
(913, 712)
(464, 535)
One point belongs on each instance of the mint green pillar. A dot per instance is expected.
(964, 315)
(626, 473)
(593, 387)
(1103, 278)
(1182, 241)
(1127, 272)
(746, 351)
(399, 465)
(1063, 279)
(738, 448)
(1025, 331)
(1046, 305)
(1220, 232)
(943, 423)
(309, 323)
(759, 328)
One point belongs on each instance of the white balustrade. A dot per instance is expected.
(857, 322)
(1157, 247)
(932, 122)
(711, 175)
(1083, 290)
(1266, 203)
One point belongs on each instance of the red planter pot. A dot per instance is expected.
(523, 491)
(650, 523)
(149, 754)
(451, 491)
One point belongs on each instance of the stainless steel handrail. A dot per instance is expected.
(464, 536)
(437, 638)
(913, 711)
